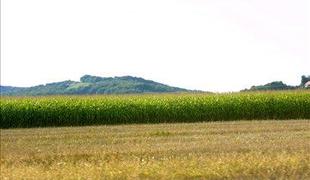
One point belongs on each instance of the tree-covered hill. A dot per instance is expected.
(94, 85)
(279, 85)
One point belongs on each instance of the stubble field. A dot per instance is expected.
(213, 150)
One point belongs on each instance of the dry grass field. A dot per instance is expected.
(214, 150)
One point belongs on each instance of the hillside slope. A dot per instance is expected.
(279, 85)
(94, 85)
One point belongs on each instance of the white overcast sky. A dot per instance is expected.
(213, 45)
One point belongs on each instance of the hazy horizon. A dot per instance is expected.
(205, 45)
(137, 77)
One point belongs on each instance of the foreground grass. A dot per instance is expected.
(229, 150)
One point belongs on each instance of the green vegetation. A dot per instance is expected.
(93, 85)
(279, 85)
(17, 112)
(220, 150)
(122, 85)
(304, 80)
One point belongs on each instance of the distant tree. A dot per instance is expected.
(91, 79)
(304, 80)
(276, 85)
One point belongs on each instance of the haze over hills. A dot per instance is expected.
(94, 85)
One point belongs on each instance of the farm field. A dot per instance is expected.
(56, 111)
(269, 149)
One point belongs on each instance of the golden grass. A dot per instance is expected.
(215, 150)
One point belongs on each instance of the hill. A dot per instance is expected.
(94, 85)
(276, 85)
(279, 85)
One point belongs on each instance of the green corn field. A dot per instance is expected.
(49, 111)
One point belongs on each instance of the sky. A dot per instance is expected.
(211, 45)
